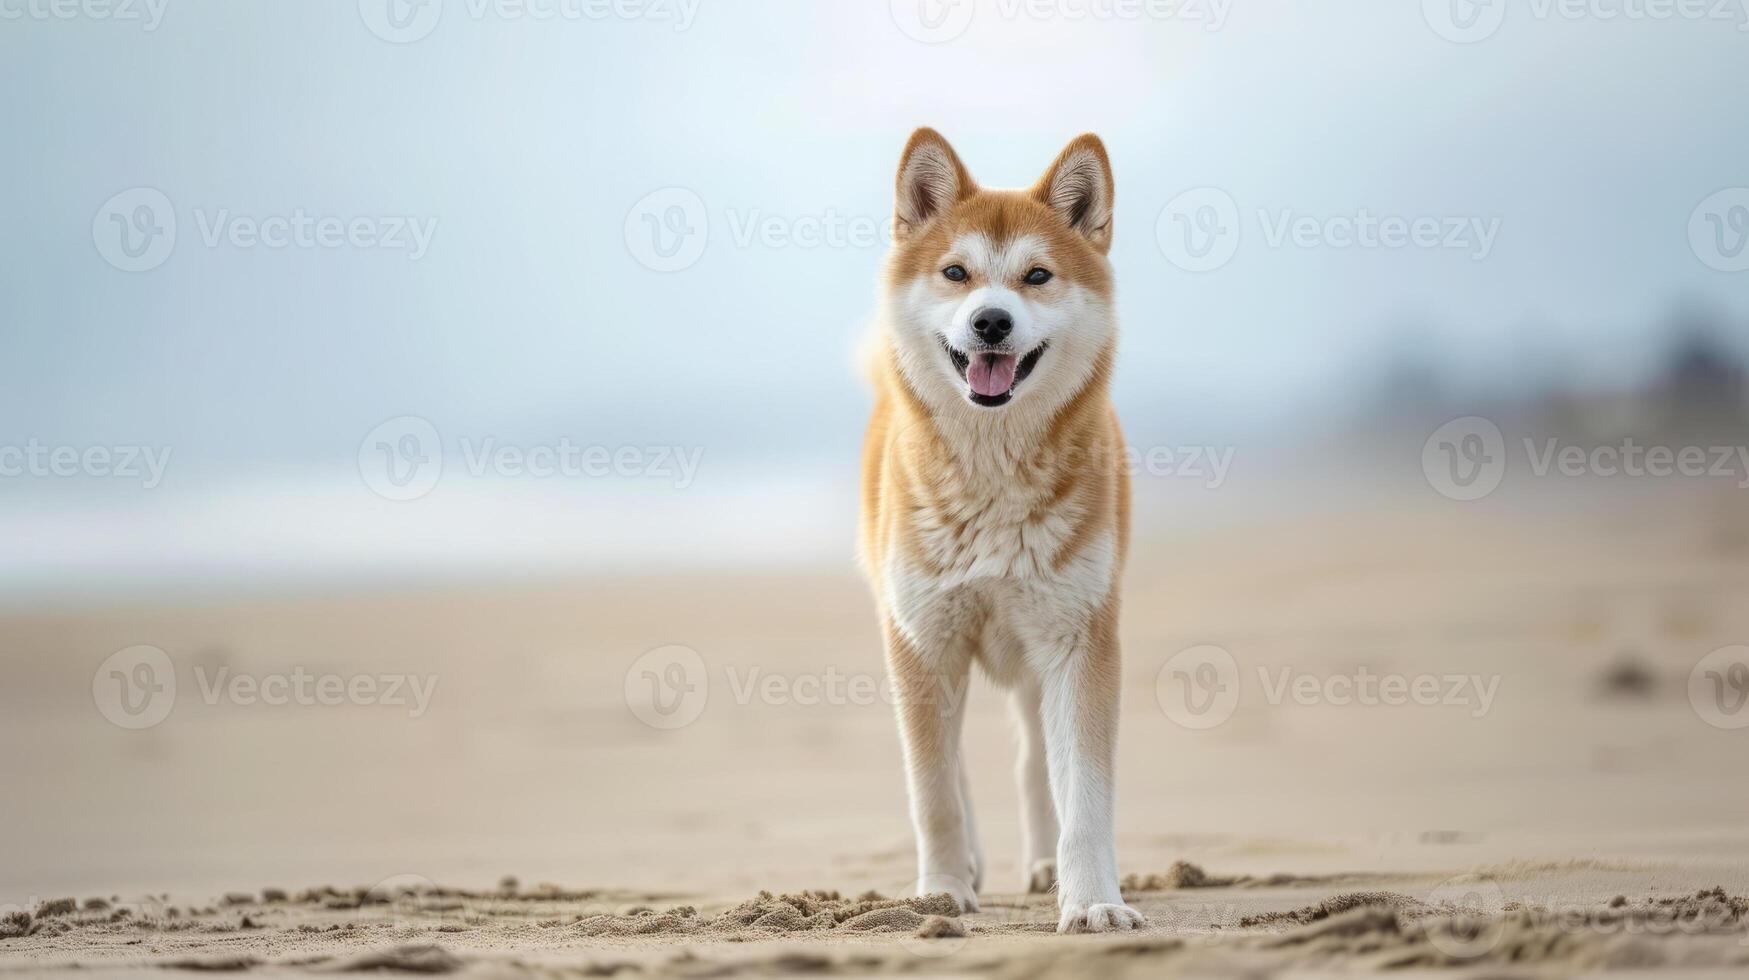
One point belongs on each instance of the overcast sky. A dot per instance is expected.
(492, 260)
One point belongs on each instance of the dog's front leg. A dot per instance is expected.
(1038, 811)
(1080, 721)
(930, 691)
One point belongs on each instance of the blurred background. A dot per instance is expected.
(495, 344)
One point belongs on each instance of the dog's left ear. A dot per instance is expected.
(1078, 187)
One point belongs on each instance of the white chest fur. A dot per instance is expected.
(992, 573)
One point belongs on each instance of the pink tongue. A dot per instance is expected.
(991, 374)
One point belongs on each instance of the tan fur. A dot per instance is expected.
(911, 478)
(1074, 470)
(997, 535)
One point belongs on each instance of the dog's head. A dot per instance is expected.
(999, 298)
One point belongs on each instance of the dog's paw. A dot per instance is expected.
(1041, 879)
(1099, 917)
(956, 888)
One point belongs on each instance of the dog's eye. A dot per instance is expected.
(955, 273)
(1038, 277)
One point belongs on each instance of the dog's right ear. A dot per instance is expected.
(931, 179)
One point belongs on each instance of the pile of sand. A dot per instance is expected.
(1394, 931)
(1371, 931)
(1399, 907)
(767, 915)
(1623, 934)
(1184, 874)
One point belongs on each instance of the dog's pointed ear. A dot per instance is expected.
(1078, 187)
(931, 179)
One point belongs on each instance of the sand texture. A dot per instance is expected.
(1562, 806)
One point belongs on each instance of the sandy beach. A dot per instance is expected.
(1458, 738)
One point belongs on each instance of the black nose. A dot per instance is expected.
(992, 325)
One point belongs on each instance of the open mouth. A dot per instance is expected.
(992, 375)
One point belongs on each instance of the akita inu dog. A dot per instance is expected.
(995, 509)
